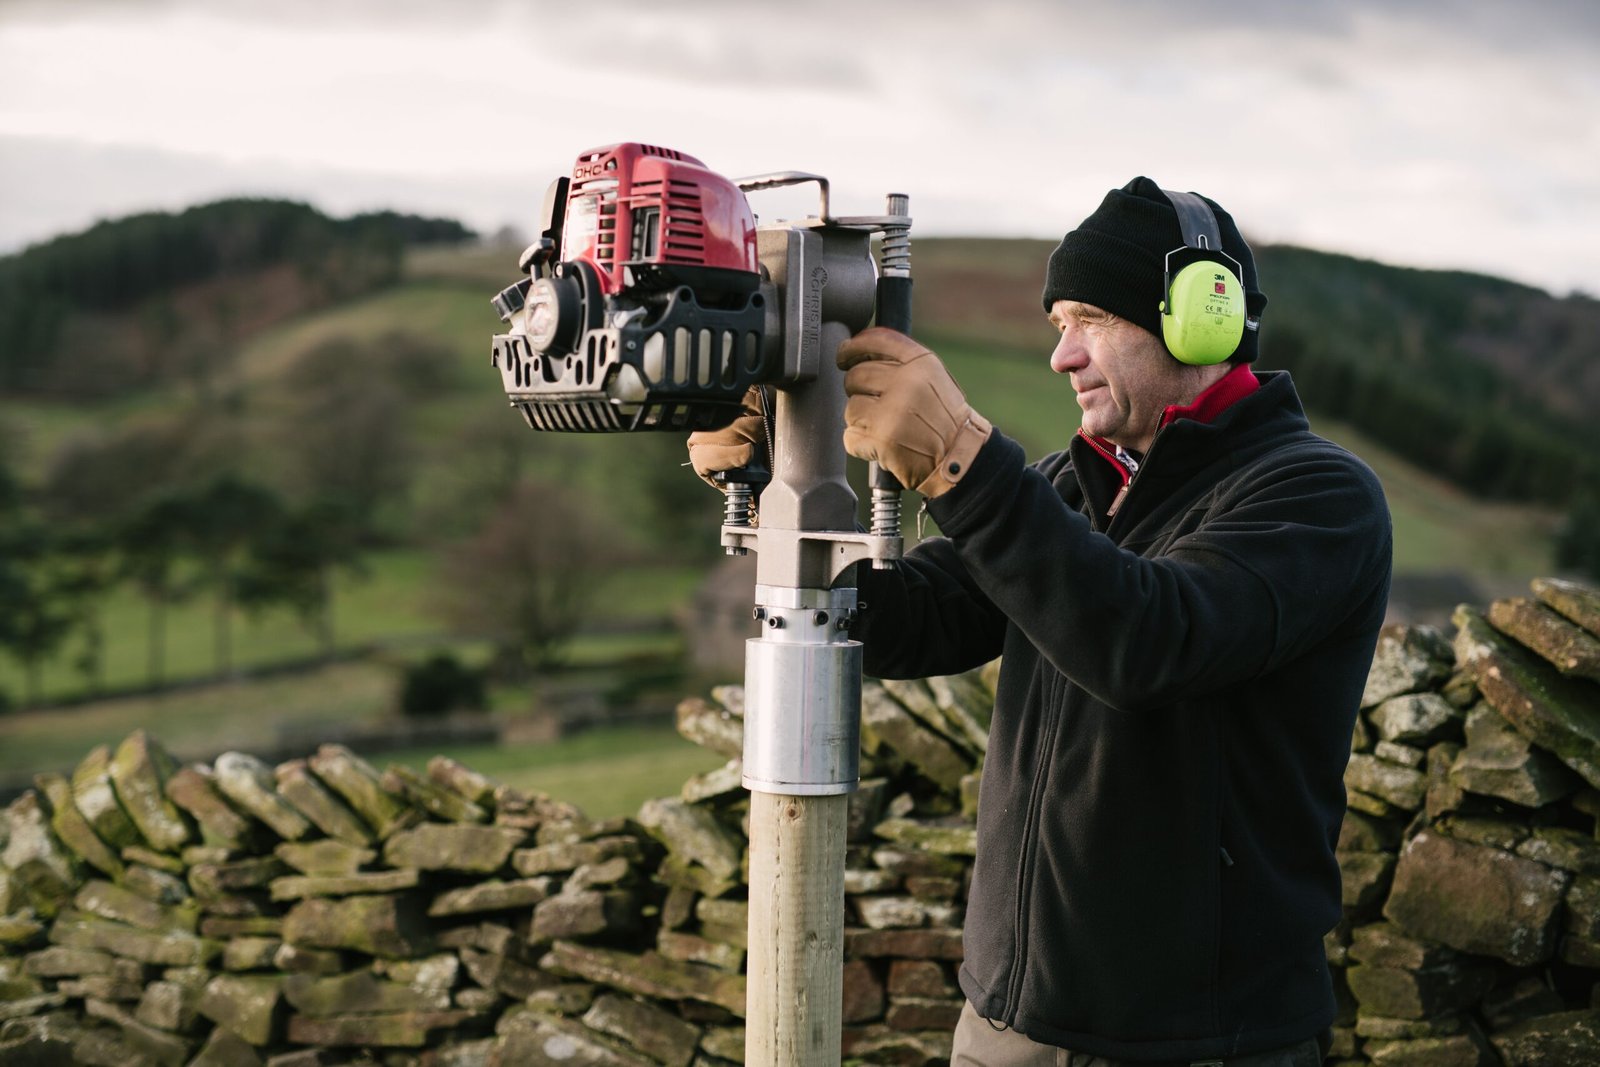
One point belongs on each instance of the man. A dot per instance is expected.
(1186, 601)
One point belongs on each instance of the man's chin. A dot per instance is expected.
(1093, 424)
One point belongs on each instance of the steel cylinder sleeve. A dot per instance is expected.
(803, 694)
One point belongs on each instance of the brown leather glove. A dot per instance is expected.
(733, 446)
(906, 412)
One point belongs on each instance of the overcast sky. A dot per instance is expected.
(1427, 133)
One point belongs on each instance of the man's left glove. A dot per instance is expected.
(736, 445)
(906, 412)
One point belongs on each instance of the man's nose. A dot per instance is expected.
(1069, 354)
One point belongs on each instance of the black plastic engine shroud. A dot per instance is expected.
(664, 361)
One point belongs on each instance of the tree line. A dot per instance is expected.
(1483, 381)
(125, 270)
(258, 501)
(230, 538)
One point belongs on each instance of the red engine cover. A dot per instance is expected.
(636, 203)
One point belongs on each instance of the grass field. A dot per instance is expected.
(387, 608)
(607, 771)
(1437, 526)
(200, 721)
(1005, 375)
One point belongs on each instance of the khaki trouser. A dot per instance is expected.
(977, 1044)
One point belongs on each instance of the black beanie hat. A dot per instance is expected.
(1115, 259)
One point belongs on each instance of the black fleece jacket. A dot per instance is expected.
(1163, 787)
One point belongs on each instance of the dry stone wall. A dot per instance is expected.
(1470, 850)
(323, 912)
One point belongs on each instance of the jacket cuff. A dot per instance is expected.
(957, 459)
(989, 480)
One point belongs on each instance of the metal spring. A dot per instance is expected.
(739, 505)
(886, 512)
(897, 239)
(738, 509)
(897, 251)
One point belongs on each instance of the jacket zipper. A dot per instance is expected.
(1122, 471)
(1030, 834)
(1131, 467)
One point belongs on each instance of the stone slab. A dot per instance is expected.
(359, 993)
(1477, 899)
(39, 867)
(158, 1046)
(584, 913)
(97, 801)
(194, 789)
(1555, 712)
(250, 784)
(664, 1037)
(1498, 761)
(296, 887)
(1408, 659)
(538, 1040)
(121, 905)
(650, 975)
(925, 944)
(326, 858)
(466, 783)
(693, 834)
(140, 768)
(168, 949)
(490, 895)
(1415, 718)
(886, 723)
(307, 795)
(1567, 1039)
(1570, 648)
(430, 796)
(250, 1006)
(464, 847)
(391, 926)
(395, 1030)
(1423, 993)
(711, 727)
(72, 829)
(559, 858)
(1394, 783)
(355, 780)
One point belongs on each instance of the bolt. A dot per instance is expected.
(758, 613)
(776, 622)
(820, 619)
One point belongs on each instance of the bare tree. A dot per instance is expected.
(347, 435)
(527, 579)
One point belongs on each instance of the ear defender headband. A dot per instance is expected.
(1203, 317)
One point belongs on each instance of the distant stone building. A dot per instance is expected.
(717, 621)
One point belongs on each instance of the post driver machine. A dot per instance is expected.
(652, 301)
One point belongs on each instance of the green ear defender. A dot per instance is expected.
(1203, 316)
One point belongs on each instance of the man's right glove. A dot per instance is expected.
(734, 446)
(906, 412)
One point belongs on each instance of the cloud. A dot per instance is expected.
(1431, 132)
(73, 185)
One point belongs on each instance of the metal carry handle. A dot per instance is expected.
(780, 178)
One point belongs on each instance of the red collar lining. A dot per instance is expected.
(1108, 453)
(1220, 395)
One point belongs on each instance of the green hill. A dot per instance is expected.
(388, 392)
(1485, 382)
(135, 301)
